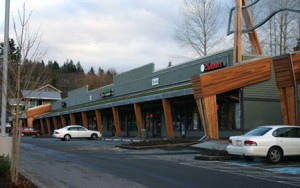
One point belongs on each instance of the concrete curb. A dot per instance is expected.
(157, 146)
(215, 157)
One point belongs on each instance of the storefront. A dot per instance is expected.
(162, 103)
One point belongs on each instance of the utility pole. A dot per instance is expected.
(5, 64)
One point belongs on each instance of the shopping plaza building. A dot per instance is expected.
(149, 103)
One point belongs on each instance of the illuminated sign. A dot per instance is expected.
(155, 81)
(107, 93)
(209, 67)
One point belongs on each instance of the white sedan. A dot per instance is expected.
(272, 142)
(75, 131)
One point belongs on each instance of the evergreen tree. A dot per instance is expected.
(92, 71)
(100, 71)
(79, 67)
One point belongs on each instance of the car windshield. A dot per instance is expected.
(258, 131)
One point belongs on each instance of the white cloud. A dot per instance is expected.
(123, 34)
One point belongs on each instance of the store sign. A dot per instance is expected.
(107, 93)
(155, 81)
(209, 66)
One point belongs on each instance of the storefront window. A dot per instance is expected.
(228, 110)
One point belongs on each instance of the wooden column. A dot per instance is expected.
(30, 121)
(201, 114)
(54, 122)
(72, 119)
(63, 120)
(287, 73)
(238, 26)
(99, 120)
(42, 126)
(84, 119)
(288, 108)
(211, 116)
(48, 125)
(138, 117)
(168, 118)
(116, 121)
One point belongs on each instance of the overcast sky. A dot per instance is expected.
(123, 34)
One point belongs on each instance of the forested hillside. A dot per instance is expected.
(65, 77)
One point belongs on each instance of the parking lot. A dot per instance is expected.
(103, 160)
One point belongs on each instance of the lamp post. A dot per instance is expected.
(5, 63)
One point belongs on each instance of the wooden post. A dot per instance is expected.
(211, 116)
(116, 120)
(72, 118)
(99, 120)
(54, 122)
(253, 37)
(238, 27)
(287, 101)
(63, 120)
(48, 125)
(84, 120)
(42, 126)
(138, 117)
(168, 117)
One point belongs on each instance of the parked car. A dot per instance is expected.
(30, 131)
(75, 131)
(273, 142)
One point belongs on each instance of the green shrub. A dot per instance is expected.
(4, 165)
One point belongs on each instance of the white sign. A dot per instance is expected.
(155, 81)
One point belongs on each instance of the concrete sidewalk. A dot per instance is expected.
(219, 145)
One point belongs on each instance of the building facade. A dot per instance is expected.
(150, 103)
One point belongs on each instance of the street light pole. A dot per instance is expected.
(5, 64)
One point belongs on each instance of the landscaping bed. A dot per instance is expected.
(158, 143)
(23, 182)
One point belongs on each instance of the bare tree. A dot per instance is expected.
(23, 75)
(282, 29)
(198, 27)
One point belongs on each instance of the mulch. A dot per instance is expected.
(23, 182)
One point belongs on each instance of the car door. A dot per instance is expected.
(83, 132)
(73, 131)
(289, 140)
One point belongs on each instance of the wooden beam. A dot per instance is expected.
(227, 79)
(168, 118)
(48, 125)
(84, 120)
(291, 108)
(238, 27)
(287, 73)
(72, 119)
(138, 117)
(99, 120)
(211, 116)
(253, 37)
(63, 120)
(42, 126)
(117, 121)
(54, 122)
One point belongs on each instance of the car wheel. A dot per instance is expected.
(38, 134)
(274, 155)
(67, 137)
(94, 136)
(22, 134)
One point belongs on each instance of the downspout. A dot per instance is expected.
(296, 88)
(204, 137)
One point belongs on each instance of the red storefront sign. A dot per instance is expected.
(208, 67)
